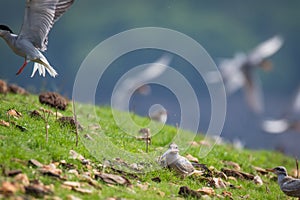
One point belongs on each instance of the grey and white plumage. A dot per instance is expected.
(289, 185)
(160, 115)
(40, 15)
(180, 164)
(287, 121)
(138, 79)
(238, 72)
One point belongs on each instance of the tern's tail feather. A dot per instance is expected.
(42, 65)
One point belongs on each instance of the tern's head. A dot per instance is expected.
(173, 148)
(278, 170)
(4, 29)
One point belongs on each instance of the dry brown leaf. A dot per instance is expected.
(75, 155)
(193, 144)
(38, 190)
(8, 188)
(83, 190)
(161, 193)
(232, 178)
(187, 192)
(207, 191)
(114, 179)
(143, 186)
(13, 113)
(94, 127)
(50, 170)
(205, 143)
(13, 172)
(71, 184)
(234, 165)
(237, 174)
(227, 194)
(22, 178)
(72, 197)
(260, 170)
(91, 181)
(222, 175)
(35, 163)
(4, 123)
(73, 171)
(217, 183)
(192, 158)
(257, 180)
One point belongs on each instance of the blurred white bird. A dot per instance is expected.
(136, 82)
(160, 115)
(238, 72)
(289, 185)
(288, 120)
(180, 164)
(40, 15)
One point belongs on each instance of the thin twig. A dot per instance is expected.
(297, 167)
(147, 141)
(75, 119)
(46, 120)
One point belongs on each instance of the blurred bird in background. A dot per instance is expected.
(238, 72)
(289, 120)
(136, 83)
(40, 15)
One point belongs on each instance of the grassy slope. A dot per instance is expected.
(31, 144)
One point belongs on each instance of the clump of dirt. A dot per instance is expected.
(13, 88)
(70, 121)
(54, 100)
(3, 87)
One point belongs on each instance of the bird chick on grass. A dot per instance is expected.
(180, 164)
(289, 185)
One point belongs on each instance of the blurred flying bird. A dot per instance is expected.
(180, 164)
(288, 120)
(40, 15)
(159, 115)
(289, 185)
(238, 71)
(139, 81)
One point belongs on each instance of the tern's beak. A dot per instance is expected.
(270, 170)
(174, 150)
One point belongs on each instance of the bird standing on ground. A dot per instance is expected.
(177, 162)
(289, 185)
(238, 72)
(40, 15)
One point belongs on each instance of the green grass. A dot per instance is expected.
(17, 147)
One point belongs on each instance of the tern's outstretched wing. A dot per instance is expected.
(265, 49)
(231, 71)
(39, 18)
